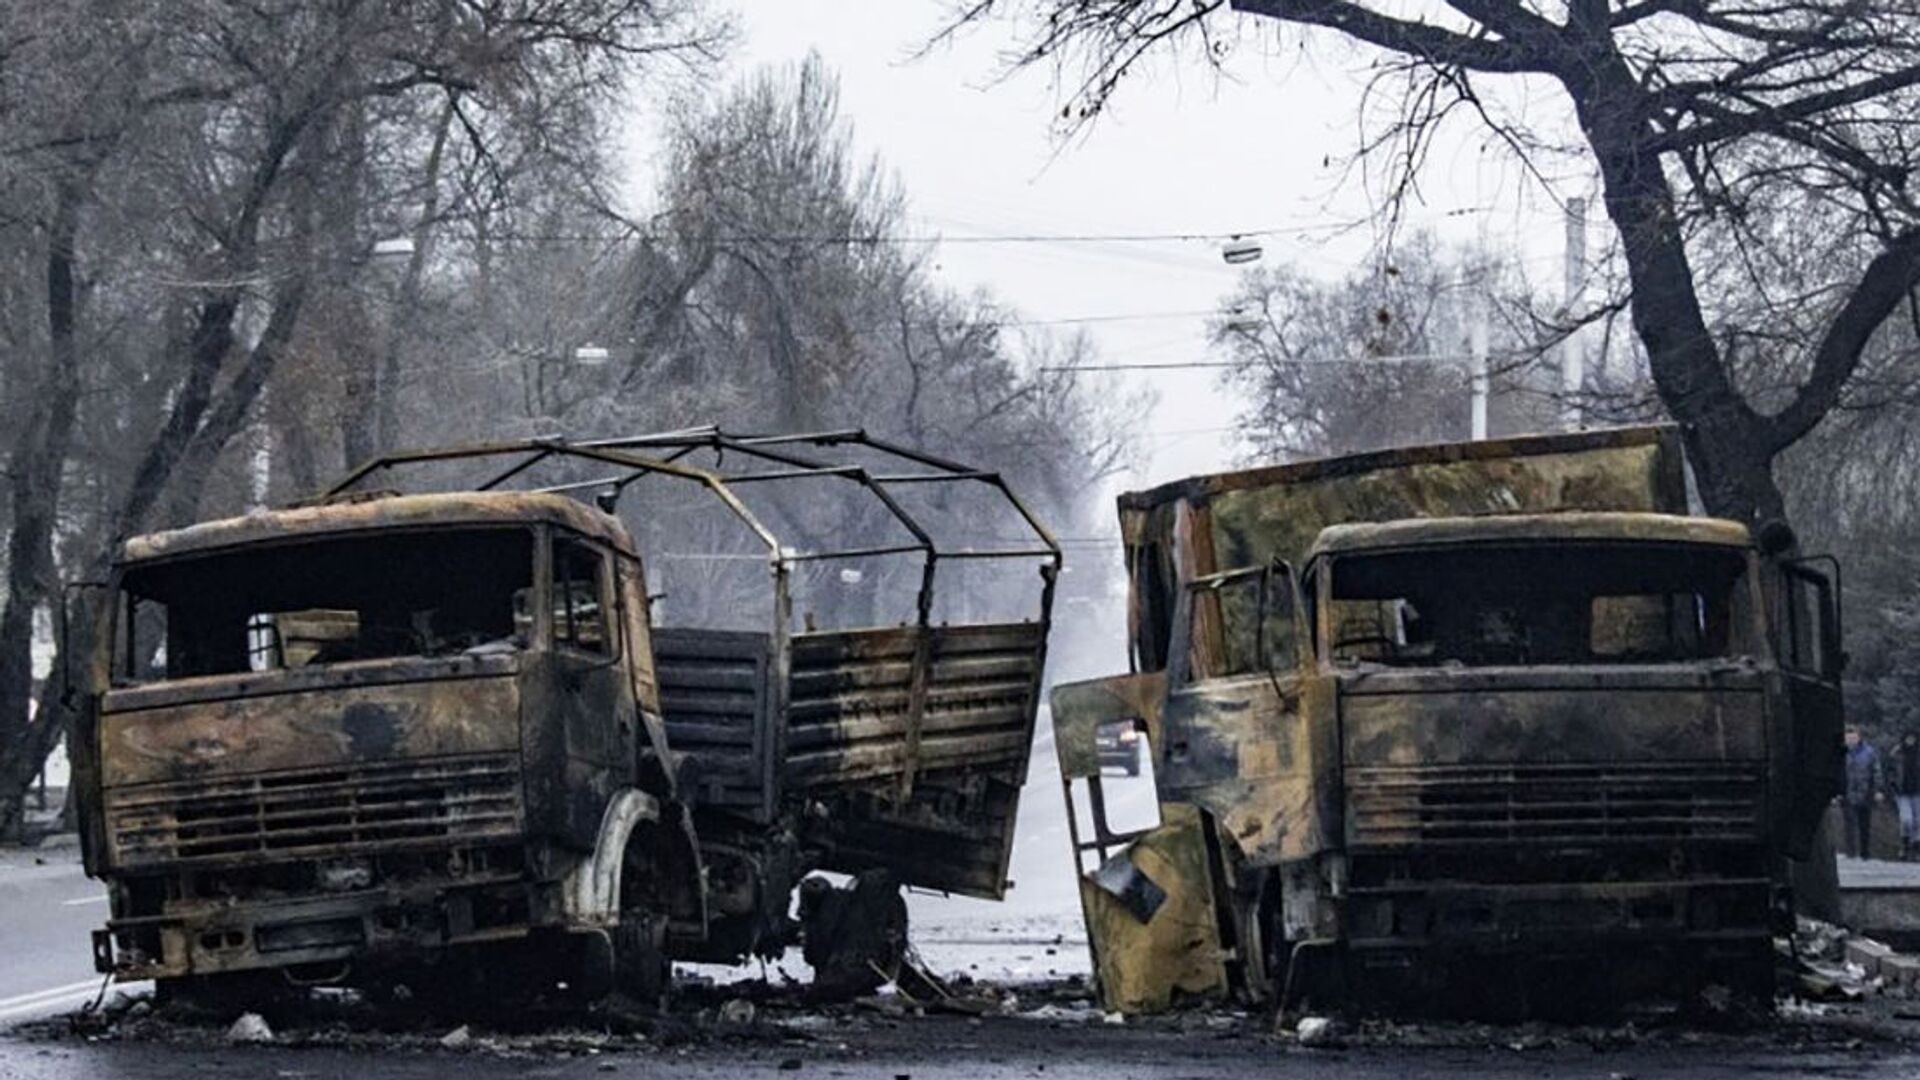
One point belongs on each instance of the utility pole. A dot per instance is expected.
(1573, 355)
(1478, 335)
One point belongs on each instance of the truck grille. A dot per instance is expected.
(342, 810)
(1464, 806)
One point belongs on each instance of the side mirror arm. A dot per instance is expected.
(65, 634)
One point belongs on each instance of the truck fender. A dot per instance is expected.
(590, 893)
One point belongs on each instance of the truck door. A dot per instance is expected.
(1807, 642)
(1146, 880)
(1235, 743)
(594, 706)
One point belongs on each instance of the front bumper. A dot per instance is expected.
(1550, 918)
(369, 926)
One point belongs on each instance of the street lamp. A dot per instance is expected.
(1240, 250)
(1242, 321)
(393, 249)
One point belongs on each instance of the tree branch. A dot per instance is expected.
(1777, 117)
(1888, 280)
(1431, 43)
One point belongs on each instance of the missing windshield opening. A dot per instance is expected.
(1522, 605)
(327, 601)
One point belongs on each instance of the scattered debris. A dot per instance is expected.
(1317, 1031)
(250, 1028)
(1078, 1013)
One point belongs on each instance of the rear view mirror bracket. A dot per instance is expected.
(65, 633)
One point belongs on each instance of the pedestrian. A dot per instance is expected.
(1865, 785)
(1906, 793)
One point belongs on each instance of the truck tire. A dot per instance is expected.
(855, 938)
(642, 972)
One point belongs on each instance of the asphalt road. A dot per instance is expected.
(48, 909)
(936, 1047)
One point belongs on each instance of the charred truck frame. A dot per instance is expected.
(423, 729)
(1490, 704)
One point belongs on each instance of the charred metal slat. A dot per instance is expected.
(373, 777)
(971, 668)
(695, 674)
(505, 827)
(347, 811)
(169, 820)
(685, 701)
(1458, 806)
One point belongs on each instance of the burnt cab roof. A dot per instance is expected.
(1572, 527)
(366, 514)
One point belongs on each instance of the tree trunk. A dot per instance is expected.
(406, 306)
(1727, 442)
(226, 418)
(37, 459)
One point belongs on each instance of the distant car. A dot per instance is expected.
(1119, 744)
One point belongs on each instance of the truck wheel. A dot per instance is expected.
(641, 969)
(1258, 917)
(855, 938)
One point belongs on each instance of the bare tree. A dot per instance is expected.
(203, 169)
(1736, 122)
(1383, 356)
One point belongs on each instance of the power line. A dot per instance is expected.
(922, 238)
(1118, 317)
(1175, 365)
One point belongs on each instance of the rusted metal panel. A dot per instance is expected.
(1156, 940)
(851, 699)
(1080, 709)
(980, 698)
(329, 811)
(847, 705)
(389, 512)
(1149, 898)
(306, 729)
(1254, 515)
(386, 672)
(953, 835)
(1453, 725)
(852, 694)
(1469, 806)
(713, 690)
(1569, 526)
(1260, 758)
(1655, 447)
(1252, 524)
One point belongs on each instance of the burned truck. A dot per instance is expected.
(1489, 708)
(539, 717)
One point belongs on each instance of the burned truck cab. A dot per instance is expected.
(1557, 735)
(338, 738)
(1452, 709)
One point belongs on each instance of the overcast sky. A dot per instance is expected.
(1182, 151)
